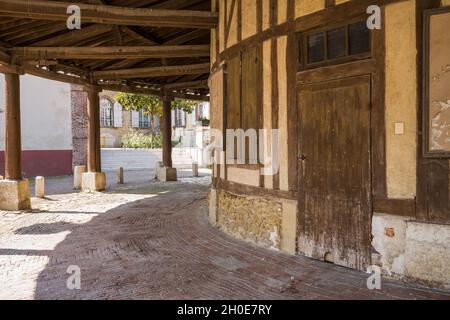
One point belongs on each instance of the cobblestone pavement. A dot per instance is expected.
(151, 240)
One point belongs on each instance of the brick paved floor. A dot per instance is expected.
(150, 240)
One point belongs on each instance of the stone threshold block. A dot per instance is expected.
(166, 174)
(94, 181)
(15, 195)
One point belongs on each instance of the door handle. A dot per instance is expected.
(301, 157)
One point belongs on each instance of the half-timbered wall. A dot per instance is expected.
(405, 186)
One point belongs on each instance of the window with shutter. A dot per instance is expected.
(134, 119)
(118, 115)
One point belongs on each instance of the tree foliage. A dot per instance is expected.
(151, 105)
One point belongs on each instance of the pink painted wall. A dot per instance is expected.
(45, 163)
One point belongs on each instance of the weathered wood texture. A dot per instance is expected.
(167, 131)
(57, 11)
(114, 39)
(13, 149)
(94, 151)
(108, 53)
(335, 177)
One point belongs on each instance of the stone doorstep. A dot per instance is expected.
(15, 195)
(93, 181)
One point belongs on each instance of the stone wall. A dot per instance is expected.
(419, 252)
(270, 223)
(256, 220)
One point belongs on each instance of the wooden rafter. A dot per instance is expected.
(187, 85)
(73, 37)
(164, 71)
(109, 53)
(113, 15)
(153, 92)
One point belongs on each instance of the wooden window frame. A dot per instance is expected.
(302, 38)
(427, 152)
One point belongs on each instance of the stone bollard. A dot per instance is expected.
(78, 176)
(195, 169)
(120, 176)
(39, 187)
(1, 177)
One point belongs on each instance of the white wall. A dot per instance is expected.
(45, 112)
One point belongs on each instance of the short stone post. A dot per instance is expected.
(39, 187)
(1, 177)
(120, 176)
(78, 176)
(195, 169)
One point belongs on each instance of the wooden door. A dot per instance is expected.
(334, 171)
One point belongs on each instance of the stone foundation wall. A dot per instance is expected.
(270, 223)
(416, 251)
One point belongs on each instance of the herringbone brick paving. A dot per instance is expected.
(152, 240)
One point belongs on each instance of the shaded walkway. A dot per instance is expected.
(153, 241)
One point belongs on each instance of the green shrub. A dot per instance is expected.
(205, 122)
(135, 140)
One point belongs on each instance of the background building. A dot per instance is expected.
(116, 122)
(46, 127)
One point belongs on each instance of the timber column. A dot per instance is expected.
(166, 172)
(14, 190)
(94, 179)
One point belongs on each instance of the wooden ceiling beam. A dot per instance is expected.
(110, 53)
(73, 37)
(187, 85)
(192, 35)
(165, 71)
(50, 75)
(152, 92)
(135, 35)
(112, 15)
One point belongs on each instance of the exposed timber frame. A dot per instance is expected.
(112, 15)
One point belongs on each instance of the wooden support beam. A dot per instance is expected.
(108, 53)
(187, 85)
(13, 144)
(152, 92)
(50, 75)
(5, 68)
(113, 15)
(153, 72)
(189, 96)
(94, 150)
(167, 130)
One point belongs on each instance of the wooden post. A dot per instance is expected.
(94, 150)
(13, 143)
(167, 131)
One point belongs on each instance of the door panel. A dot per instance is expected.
(334, 177)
